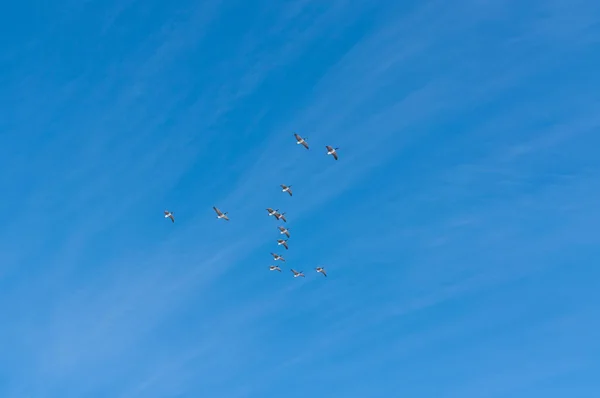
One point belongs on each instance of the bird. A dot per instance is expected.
(169, 214)
(273, 212)
(277, 257)
(321, 270)
(282, 242)
(280, 216)
(286, 188)
(301, 141)
(297, 274)
(275, 268)
(284, 231)
(220, 214)
(332, 151)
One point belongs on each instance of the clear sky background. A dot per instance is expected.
(459, 228)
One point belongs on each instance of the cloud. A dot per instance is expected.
(437, 228)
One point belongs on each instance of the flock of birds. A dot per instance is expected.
(279, 216)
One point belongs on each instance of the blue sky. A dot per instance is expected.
(458, 228)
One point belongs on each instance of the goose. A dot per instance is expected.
(273, 212)
(284, 231)
(321, 270)
(301, 141)
(277, 257)
(169, 214)
(297, 274)
(280, 216)
(286, 188)
(332, 151)
(275, 268)
(282, 242)
(220, 214)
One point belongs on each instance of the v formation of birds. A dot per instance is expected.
(279, 216)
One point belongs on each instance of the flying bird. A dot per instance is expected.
(282, 242)
(275, 268)
(169, 214)
(321, 270)
(284, 231)
(332, 151)
(273, 212)
(286, 188)
(301, 141)
(277, 257)
(220, 214)
(280, 216)
(297, 274)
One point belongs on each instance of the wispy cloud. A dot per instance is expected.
(436, 108)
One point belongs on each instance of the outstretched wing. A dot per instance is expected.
(217, 211)
(335, 156)
(171, 217)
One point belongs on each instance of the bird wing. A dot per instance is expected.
(284, 244)
(171, 217)
(287, 234)
(335, 156)
(304, 144)
(217, 210)
(328, 148)
(289, 191)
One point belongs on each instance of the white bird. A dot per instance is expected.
(280, 216)
(169, 214)
(275, 268)
(297, 274)
(273, 212)
(332, 151)
(282, 242)
(301, 141)
(220, 214)
(321, 270)
(286, 188)
(277, 257)
(284, 231)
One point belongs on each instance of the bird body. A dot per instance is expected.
(332, 151)
(220, 214)
(273, 212)
(321, 270)
(275, 268)
(277, 257)
(297, 274)
(280, 216)
(169, 214)
(301, 141)
(286, 188)
(284, 231)
(282, 242)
